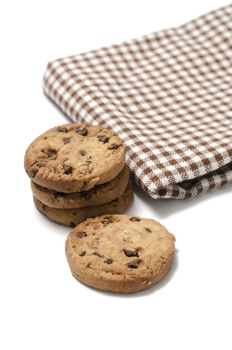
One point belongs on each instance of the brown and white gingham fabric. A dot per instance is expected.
(168, 95)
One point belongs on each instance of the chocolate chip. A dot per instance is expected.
(107, 221)
(108, 261)
(148, 229)
(97, 254)
(72, 224)
(82, 152)
(81, 234)
(51, 153)
(82, 253)
(134, 219)
(66, 140)
(82, 131)
(103, 138)
(113, 146)
(33, 172)
(62, 129)
(40, 164)
(68, 170)
(131, 253)
(134, 264)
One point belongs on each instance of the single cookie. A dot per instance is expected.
(120, 253)
(98, 195)
(73, 217)
(74, 157)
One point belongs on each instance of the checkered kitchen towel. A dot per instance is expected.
(168, 95)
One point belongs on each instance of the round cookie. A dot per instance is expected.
(72, 217)
(120, 253)
(74, 157)
(98, 195)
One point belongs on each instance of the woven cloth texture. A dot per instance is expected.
(168, 95)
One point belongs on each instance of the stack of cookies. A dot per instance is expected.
(78, 171)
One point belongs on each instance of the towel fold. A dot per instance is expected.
(168, 95)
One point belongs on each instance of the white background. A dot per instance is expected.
(41, 305)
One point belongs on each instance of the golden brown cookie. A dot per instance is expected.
(74, 157)
(72, 217)
(99, 194)
(120, 253)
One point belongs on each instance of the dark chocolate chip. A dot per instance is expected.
(82, 152)
(108, 261)
(97, 254)
(82, 253)
(103, 138)
(68, 170)
(45, 138)
(113, 146)
(40, 164)
(134, 219)
(82, 131)
(62, 129)
(72, 224)
(131, 253)
(81, 234)
(107, 221)
(66, 140)
(134, 264)
(33, 172)
(148, 229)
(51, 153)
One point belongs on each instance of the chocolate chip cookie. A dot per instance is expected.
(74, 157)
(99, 194)
(72, 217)
(120, 253)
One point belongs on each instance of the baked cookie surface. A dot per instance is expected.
(119, 253)
(72, 217)
(74, 157)
(99, 194)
